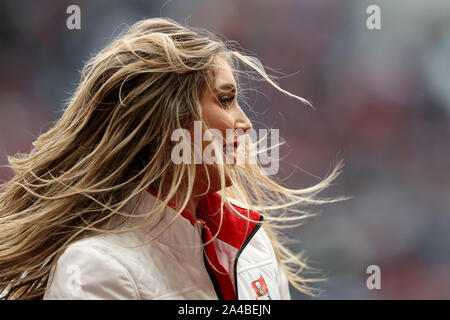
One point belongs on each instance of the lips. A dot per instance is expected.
(231, 146)
(229, 150)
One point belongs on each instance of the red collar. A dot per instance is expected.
(235, 231)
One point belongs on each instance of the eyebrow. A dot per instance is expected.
(227, 86)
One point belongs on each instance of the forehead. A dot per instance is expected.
(223, 73)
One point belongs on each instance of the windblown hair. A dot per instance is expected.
(111, 144)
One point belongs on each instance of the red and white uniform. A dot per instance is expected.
(239, 264)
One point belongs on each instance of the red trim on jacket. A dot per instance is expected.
(234, 231)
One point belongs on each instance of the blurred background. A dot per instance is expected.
(382, 104)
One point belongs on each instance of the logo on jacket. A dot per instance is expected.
(260, 288)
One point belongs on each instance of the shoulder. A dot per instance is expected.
(89, 269)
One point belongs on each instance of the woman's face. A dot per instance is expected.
(221, 112)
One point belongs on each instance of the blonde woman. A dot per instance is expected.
(101, 210)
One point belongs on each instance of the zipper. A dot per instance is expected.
(208, 269)
(211, 274)
(255, 229)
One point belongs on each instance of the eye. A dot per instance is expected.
(226, 101)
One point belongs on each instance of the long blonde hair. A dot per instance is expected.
(110, 145)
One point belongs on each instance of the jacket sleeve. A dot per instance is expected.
(282, 280)
(87, 273)
(283, 285)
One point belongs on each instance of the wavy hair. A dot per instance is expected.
(110, 145)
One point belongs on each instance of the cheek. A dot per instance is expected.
(217, 117)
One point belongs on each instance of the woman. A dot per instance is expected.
(100, 209)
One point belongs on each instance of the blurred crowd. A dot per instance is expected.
(381, 99)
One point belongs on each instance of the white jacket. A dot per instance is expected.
(174, 266)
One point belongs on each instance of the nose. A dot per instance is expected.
(242, 122)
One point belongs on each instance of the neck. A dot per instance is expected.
(178, 199)
(192, 205)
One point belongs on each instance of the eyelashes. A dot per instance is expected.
(226, 101)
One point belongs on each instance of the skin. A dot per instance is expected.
(220, 111)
